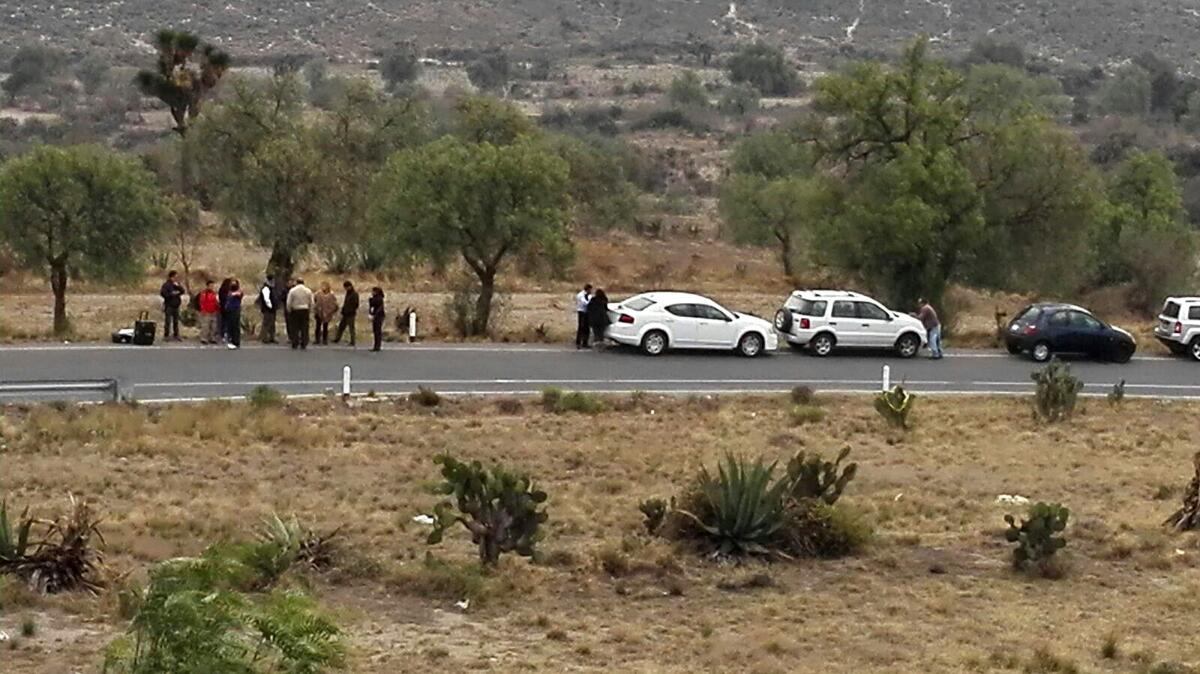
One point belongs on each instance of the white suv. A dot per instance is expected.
(823, 319)
(1178, 326)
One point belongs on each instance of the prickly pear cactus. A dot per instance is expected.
(895, 406)
(814, 478)
(1057, 391)
(499, 508)
(1037, 537)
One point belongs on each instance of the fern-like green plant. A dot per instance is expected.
(498, 507)
(1039, 535)
(1057, 391)
(741, 508)
(192, 618)
(895, 406)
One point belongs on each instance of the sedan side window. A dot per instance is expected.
(682, 310)
(843, 309)
(712, 313)
(869, 311)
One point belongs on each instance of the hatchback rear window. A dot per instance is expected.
(1029, 315)
(1171, 310)
(638, 303)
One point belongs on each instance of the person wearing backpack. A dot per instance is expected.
(267, 301)
(172, 296)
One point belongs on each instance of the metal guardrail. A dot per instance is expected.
(110, 386)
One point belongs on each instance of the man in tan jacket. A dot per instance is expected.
(299, 307)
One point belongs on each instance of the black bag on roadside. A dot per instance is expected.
(144, 330)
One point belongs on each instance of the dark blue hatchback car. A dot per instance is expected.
(1043, 330)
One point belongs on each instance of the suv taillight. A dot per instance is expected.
(805, 324)
(1178, 328)
(625, 318)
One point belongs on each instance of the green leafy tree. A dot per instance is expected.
(991, 50)
(687, 90)
(32, 66)
(765, 68)
(600, 188)
(483, 119)
(78, 212)
(491, 71)
(92, 72)
(1128, 92)
(400, 66)
(1146, 239)
(481, 202)
(184, 74)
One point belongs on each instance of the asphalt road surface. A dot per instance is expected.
(192, 372)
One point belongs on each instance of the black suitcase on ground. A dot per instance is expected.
(144, 330)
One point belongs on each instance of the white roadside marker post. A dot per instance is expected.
(346, 382)
(412, 327)
(887, 377)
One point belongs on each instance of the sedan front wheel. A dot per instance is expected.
(750, 345)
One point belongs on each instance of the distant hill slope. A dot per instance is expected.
(1092, 31)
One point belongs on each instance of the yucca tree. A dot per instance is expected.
(185, 72)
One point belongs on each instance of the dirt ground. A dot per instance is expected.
(532, 309)
(933, 592)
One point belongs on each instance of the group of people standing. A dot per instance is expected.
(591, 308)
(219, 312)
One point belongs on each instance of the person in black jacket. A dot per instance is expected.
(172, 297)
(376, 311)
(597, 311)
(268, 303)
(222, 295)
(349, 313)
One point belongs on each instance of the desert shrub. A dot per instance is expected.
(745, 510)
(297, 543)
(434, 578)
(1117, 395)
(510, 406)
(192, 618)
(687, 90)
(764, 68)
(500, 508)
(1057, 391)
(807, 414)
(560, 402)
(491, 71)
(738, 100)
(655, 511)
(895, 406)
(1038, 537)
(55, 555)
(425, 397)
(671, 118)
(399, 66)
(803, 395)
(263, 396)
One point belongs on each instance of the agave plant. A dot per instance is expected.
(742, 508)
(14, 540)
(65, 558)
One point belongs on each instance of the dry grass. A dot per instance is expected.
(933, 593)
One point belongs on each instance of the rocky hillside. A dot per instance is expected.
(1092, 31)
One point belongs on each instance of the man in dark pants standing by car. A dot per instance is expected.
(299, 305)
(349, 313)
(172, 297)
(376, 310)
(933, 326)
(267, 302)
(581, 312)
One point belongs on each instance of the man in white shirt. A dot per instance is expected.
(266, 303)
(581, 304)
(299, 305)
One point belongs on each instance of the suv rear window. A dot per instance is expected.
(638, 303)
(1171, 310)
(810, 307)
(1194, 314)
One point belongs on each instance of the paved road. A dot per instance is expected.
(188, 372)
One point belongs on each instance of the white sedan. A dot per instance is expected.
(657, 321)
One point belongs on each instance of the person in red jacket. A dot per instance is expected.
(210, 308)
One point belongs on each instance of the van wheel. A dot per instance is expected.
(1194, 348)
(1041, 352)
(654, 343)
(908, 346)
(751, 344)
(822, 344)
